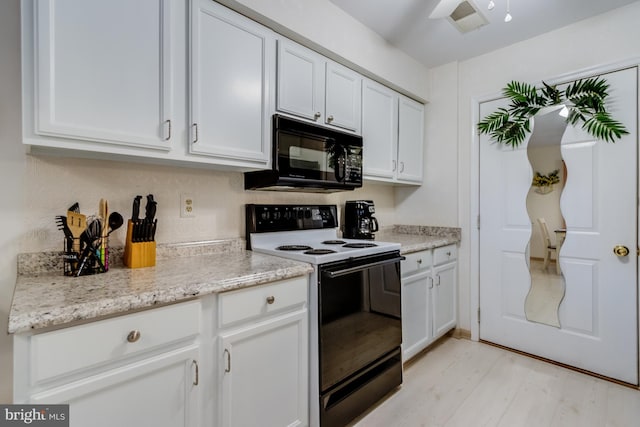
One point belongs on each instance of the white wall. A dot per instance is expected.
(604, 39)
(35, 189)
(12, 176)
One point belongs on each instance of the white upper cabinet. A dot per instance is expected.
(313, 87)
(231, 69)
(300, 81)
(102, 71)
(343, 101)
(393, 135)
(379, 130)
(410, 140)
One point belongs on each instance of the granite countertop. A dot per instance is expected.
(45, 298)
(415, 238)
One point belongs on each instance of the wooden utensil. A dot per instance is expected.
(77, 223)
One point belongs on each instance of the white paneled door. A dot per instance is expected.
(598, 315)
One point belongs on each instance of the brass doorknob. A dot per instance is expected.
(620, 250)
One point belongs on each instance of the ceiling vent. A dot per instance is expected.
(467, 18)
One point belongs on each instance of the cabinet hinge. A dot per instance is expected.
(478, 314)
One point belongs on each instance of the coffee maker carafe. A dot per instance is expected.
(359, 220)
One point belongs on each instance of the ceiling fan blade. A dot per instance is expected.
(444, 9)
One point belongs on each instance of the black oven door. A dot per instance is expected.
(359, 315)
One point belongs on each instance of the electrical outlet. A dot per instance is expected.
(186, 206)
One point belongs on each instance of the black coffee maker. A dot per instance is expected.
(359, 222)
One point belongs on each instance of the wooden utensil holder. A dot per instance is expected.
(138, 254)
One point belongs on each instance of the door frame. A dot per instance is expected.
(474, 185)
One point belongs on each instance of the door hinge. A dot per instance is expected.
(478, 314)
(478, 222)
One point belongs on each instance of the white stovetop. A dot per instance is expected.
(268, 242)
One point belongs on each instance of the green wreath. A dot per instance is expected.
(584, 99)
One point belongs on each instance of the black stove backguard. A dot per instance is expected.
(270, 218)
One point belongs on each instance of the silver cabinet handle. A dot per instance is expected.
(197, 380)
(169, 124)
(317, 115)
(393, 162)
(438, 282)
(401, 166)
(195, 132)
(228, 353)
(420, 261)
(430, 282)
(271, 299)
(133, 336)
(449, 253)
(330, 118)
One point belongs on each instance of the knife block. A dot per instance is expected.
(138, 254)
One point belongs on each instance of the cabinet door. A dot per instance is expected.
(264, 373)
(102, 71)
(410, 140)
(300, 81)
(379, 130)
(444, 298)
(416, 313)
(343, 98)
(231, 61)
(161, 391)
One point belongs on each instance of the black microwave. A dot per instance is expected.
(308, 157)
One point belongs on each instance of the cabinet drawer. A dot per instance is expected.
(262, 300)
(78, 347)
(415, 262)
(445, 254)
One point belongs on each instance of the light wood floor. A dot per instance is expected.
(463, 383)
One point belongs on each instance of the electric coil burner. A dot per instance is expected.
(294, 248)
(334, 242)
(359, 245)
(354, 307)
(320, 252)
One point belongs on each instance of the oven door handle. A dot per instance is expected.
(337, 273)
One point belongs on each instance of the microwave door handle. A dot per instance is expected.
(339, 171)
(374, 224)
(337, 273)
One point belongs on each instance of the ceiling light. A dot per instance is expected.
(491, 5)
(508, 17)
(564, 112)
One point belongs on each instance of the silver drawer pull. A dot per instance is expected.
(271, 299)
(196, 381)
(133, 336)
(420, 261)
(449, 253)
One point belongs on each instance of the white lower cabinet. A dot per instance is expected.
(238, 358)
(429, 298)
(263, 358)
(161, 391)
(134, 370)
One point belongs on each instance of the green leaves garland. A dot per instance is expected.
(585, 100)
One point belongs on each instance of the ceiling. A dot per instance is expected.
(406, 24)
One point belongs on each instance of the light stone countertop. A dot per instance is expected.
(44, 297)
(52, 299)
(415, 238)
